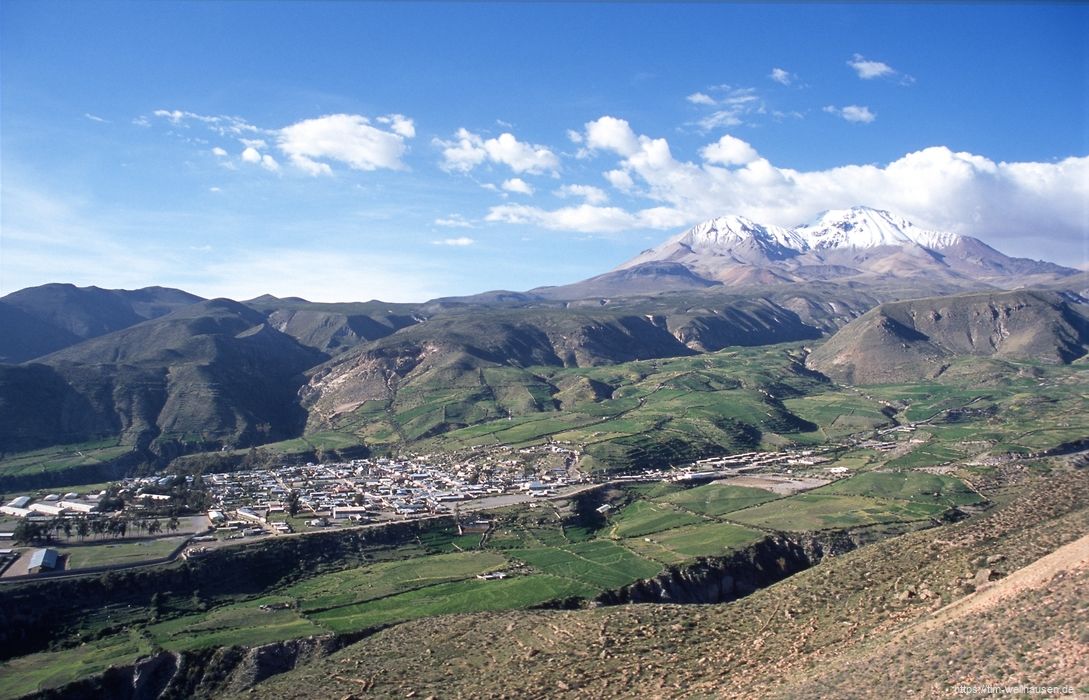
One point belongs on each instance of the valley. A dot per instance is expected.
(253, 491)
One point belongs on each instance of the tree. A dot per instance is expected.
(154, 527)
(83, 528)
(293, 504)
(173, 523)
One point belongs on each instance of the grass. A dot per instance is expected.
(472, 595)
(601, 564)
(50, 669)
(685, 543)
(643, 517)
(823, 511)
(910, 486)
(388, 578)
(62, 457)
(240, 623)
(110, 553)
(718, 499)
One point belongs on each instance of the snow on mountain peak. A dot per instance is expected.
(726, 231)
(863, 227)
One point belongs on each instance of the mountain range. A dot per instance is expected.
(858, 244)
(166, 372)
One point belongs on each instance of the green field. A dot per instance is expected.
(387, 578)
(49, 669)
(909, 486)
(108, 553)
(61, 458)
(643, 517)
(472, 595)
(685, 543)
(717, 499)
(601, 564)
(824, 511)
(243, 623)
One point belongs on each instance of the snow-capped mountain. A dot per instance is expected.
(862, 227)
(858, 244)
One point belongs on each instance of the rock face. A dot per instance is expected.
(915, 340)
(723, 579)
(206, 673)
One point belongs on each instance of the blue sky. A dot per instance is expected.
(348, 151)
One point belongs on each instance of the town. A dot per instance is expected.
(291, 499)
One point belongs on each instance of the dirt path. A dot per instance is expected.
(1038, 574)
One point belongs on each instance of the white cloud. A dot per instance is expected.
(259, 144)
(462, 154)
(219, 152)
(781, 76)
(1002, 203)
(457, 242)
(469, 150)
(96, 118)
(223, 125)
(521, 157)
(214, 189)
(454, 221)
(574, 136)
(729, 150)
(620, 179)
(586, 218)
(399, 124)
(345, 138)
(611, 134)
(592, 195)
(853, 113)
(517, 185)
(868, 70)
(252, 155)
(732, 104)
(698, 98)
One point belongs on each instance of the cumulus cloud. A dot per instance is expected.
(611, 134)
(458, 242)
(620, 179)
(698, 98)
(346, 138)
(853, 113)
(729, 150)
(935, 187)
(399, 124)
(219, 152)
(868, 70)
(468, 150)
(251, 155)
(781, 76)
(591, 194)
(517, 185)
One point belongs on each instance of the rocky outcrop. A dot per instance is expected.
(723, 579)
(204, 673)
